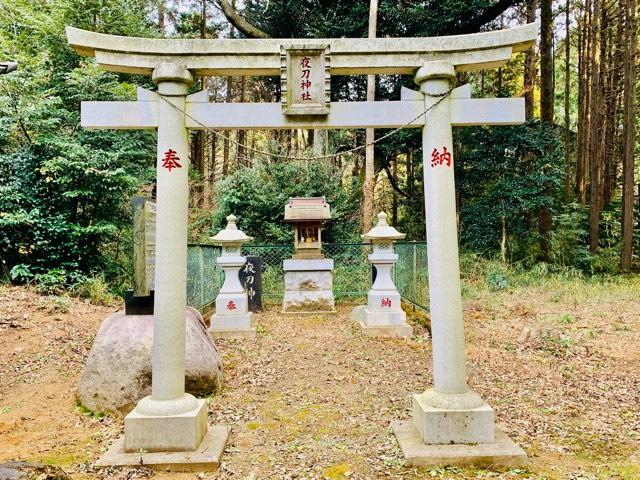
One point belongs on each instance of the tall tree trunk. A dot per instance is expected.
(529, 66)
(214, 165)
(546, 109)
(369, 164)
(394, 199)
(583, 103)
(320, 141)
(567, 93)
(596, 104)
(198, 137)
(227, 133)
(410, 175)
(241, 152)
(629, 111)
(161, 16)
(611, 79)
(229, 97)
(546, 62)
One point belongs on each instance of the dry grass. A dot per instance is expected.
(312, 397)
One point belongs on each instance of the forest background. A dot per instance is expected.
(559, 191)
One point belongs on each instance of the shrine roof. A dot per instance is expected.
(305, 209)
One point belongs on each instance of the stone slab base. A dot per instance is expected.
(205, 458)
(237, 334)
(308, 314)
(312, 301)
(445, 426)
(503, 452)
(309, 265)
(166, 433)
(394, 331)
(232, 326)
(357, 314)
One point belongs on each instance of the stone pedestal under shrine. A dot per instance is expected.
(308, 286)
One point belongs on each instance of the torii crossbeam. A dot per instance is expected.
(449, 415)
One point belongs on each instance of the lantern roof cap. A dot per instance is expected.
(307, 209)
(383, 231)
(231, 234)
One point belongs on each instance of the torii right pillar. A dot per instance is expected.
(451, 424)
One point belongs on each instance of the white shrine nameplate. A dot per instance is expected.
(305, 79)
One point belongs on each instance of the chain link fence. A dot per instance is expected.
(352, 274)
(410, 273)
(204, 276)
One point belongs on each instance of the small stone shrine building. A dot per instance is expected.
(308, 216)
(308, 276)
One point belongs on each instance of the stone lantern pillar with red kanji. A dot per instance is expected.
(383, 315)
(232, 318)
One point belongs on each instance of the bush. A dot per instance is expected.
(257, 196)
(507, 174)
(569, 238)
(94, 289)
(21, 273)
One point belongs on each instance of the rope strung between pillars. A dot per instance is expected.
(440, 97)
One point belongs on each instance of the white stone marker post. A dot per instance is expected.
(383, 315)
(169, 419)
(232, 318)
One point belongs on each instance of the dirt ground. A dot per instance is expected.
(312, 397)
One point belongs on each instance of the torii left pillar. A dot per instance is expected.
(170, 420)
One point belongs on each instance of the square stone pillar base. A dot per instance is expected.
(166, 433)
(453, 426)
(501, 452)
(205, 458)
(382, 324)
(232, 326)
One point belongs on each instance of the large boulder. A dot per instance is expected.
(118, 371)
(28, 470)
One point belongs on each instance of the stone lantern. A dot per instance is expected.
(232, 318)
(383, 315)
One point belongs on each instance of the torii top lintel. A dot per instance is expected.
(349, 56)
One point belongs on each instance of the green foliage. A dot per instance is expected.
(337, 18)
(569, 241)
(497, 280)
(257, 196)
(63, 190)
(21, 273)
(569, 238)
(51, 282)
(95, 289)
(507, 173)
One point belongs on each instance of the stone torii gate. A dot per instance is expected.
(451, 424)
